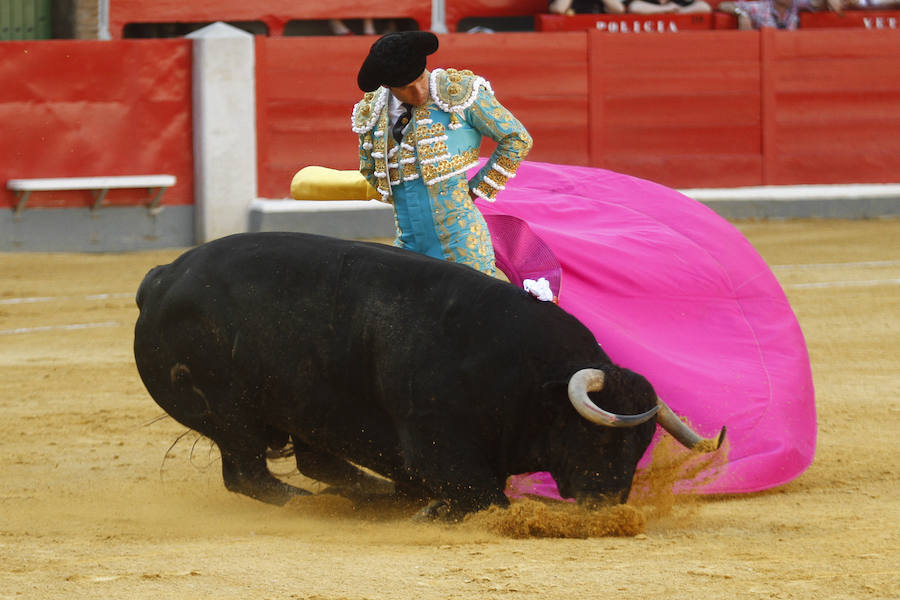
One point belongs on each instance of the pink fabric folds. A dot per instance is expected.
(520, 254)
(672, 291)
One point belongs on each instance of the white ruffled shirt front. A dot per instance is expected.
(395, 111)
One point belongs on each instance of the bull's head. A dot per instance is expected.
(591, 380)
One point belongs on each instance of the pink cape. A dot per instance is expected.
(674, 292)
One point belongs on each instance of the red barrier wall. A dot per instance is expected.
(79, 109)
(831, 106)
(544, 84)
(306, 88)
(692, 109)
(683, 109)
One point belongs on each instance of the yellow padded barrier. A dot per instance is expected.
(322, 183)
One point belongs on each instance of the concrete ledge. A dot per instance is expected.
(115, 229)
(348, 219)
(371, 219)
(853, 201)
(109, 229)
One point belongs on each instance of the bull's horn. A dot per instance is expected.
(591, 380)
(669, 421)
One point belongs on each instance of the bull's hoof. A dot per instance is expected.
(295, 491)
(286, 451)
(438, 510)
(279, 494)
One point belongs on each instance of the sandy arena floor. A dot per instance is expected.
(90, 509)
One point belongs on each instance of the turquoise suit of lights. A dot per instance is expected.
(424, 175)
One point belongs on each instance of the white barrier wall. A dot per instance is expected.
(224, 108)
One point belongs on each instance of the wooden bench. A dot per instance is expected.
(155, 184)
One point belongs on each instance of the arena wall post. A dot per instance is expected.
(224, 108)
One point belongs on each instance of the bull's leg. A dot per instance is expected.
(220, 413)
(457, 496)
(245, 472)
(409, 488)
(345, 477)
(348, 480)
(454, 472)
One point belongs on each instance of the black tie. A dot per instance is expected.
(397, 131)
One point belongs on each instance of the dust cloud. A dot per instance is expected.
(664, 491)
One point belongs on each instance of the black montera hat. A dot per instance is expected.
(396, 59)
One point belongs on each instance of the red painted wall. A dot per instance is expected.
(306, 89)
(79, 109)
(682, 109)
(305, 94)
(692, 109)
(832, 106)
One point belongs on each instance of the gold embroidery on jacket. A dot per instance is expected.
(454, 165)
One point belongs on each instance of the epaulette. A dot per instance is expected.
(367, 110)
(455, 91)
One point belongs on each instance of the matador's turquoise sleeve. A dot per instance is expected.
(493, 120)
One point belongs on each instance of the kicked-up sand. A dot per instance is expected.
(100, 498)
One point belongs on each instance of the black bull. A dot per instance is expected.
(435, 376)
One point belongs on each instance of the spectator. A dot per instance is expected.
(668, 7)
(872, 4)
(572, 7)
(779, 14)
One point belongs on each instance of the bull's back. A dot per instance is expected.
(256, 302)
(292, 286)
(265, 296)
